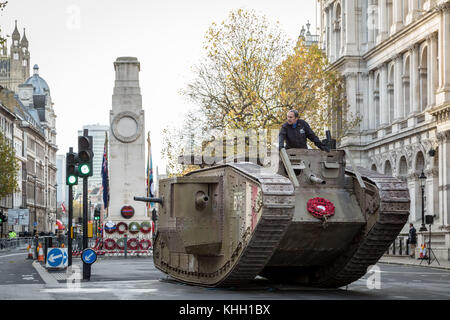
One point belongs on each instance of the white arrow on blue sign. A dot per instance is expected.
(89, 256)
(54, 257)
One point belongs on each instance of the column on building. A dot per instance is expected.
(444, 175)
(443, 94)
(371, 24)
(349, 30)
(326, 27)
(398, 85)
(413, 11)
(350, 82)
(398, 16)
(371, 102)
(382, 20)
(384, 111)
(337, 30)
(414, 80)
(433, 72)
(331, 42)
(365, 102)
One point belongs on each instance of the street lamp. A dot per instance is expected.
(423, 179)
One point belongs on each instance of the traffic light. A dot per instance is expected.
(97, 213)
(71, 168)
(3, 218)
(85, 155)
(154, 215)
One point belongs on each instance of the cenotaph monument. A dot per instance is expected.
(126, 159)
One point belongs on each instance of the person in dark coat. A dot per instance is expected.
(412, 240)
(295, 132)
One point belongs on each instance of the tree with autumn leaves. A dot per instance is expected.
(252, 76)
(9, 167)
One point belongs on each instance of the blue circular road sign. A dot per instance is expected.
(54, 257)
(89, 256)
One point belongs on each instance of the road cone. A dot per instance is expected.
(30, 252)
(41, 253)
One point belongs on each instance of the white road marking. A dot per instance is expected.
(14, 254)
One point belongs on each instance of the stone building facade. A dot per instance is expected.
(15, 66)
(395, 58)
(27, 110)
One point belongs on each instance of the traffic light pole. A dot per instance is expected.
(69, 240)
(86, 267)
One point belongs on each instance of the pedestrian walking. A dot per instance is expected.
(412, 240)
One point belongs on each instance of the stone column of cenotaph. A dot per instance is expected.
(127, 147)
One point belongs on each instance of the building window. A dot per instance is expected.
(406, 87)
(423, 74)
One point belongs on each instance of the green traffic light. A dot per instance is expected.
(71, 180)
(85, 169)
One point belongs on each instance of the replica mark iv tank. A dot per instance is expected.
(314, 222)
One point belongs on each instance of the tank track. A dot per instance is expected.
(278, 209)
(391, 215)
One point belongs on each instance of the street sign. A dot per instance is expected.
(89, 256)
(65, 257)
(56, 258)
(19, 217)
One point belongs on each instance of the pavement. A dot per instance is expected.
(406, 260)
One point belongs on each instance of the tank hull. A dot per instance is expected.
(257, 222)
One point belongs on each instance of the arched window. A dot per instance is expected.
(406, 87)
(405, 10)
(337, 28)
(388, 168)
(391, 94)
(374, 167)
(420, 162)
(376, 98)
(390, 15)
(403, 167)
(423, 74)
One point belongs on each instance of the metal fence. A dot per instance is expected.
(45, 241)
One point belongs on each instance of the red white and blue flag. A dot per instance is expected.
(150, 184)
(105, 178)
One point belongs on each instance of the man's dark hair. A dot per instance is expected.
(295, 112)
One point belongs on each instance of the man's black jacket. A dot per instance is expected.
(296, 137)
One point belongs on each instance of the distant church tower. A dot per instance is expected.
(15, 67)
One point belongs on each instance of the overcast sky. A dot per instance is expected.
(76, 42)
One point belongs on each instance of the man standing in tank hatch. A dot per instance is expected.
(295, 132)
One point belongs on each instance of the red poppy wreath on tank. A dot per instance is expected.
(320, 207)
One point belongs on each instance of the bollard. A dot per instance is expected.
(393, 247)
(125, 246)
(400, 246)
(407, 247)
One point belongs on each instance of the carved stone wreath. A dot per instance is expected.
(120, 120)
